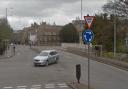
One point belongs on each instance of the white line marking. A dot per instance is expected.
(7, 87)
(63, 86)
(21, 86)
(49, 85)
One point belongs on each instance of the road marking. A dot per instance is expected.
(21, 86)
(36, 88)
(7, 87)
(39, 86)
(62, 85)
(49, 85)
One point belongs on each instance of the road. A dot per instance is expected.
(18, 72)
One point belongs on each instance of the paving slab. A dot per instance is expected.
(75, 85)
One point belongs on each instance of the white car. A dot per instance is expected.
(46, 57)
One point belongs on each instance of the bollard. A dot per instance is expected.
(78, 72)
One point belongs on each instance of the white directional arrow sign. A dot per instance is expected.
(87, 36)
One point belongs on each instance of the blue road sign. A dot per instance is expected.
(87, 36)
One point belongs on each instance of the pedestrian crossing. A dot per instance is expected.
(39, 86)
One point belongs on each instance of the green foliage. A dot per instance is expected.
(108, 54)
(5, 30)
(5, 35)
(103, 31)
(69, 34)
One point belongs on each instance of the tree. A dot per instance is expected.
(69, 34)
(5, 30)
(103, 31)
(5, 34)
(120, 7)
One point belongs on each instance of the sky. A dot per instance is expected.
(22, 13)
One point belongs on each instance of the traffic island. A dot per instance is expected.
(75, 85)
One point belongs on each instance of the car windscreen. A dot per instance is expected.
(43, 54)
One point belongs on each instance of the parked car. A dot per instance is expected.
(46, 57)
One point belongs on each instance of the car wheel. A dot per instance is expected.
(47, 63)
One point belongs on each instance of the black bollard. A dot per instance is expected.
(78, 72)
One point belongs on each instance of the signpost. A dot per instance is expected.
(87, 37)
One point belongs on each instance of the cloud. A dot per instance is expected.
(23, 12)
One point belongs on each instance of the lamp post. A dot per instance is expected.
(115, 28)
(6, 13)
(80, 32)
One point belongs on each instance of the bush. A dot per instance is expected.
(3, 47)
(108, 54)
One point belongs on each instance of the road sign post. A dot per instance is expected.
(88, 67)
(88, 36)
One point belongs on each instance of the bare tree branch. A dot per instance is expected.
(120, 7)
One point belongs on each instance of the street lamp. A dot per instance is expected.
(115, 28)
(81, 24)
(7, 13)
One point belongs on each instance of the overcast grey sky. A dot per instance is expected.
(22, 13)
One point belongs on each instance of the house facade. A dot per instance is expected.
(43, 34)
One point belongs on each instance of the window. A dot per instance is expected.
(43, 54)
(51, 53)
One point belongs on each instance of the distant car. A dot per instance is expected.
(46, 57)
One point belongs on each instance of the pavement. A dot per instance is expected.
(75, 85)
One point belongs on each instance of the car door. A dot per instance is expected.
(54, 56)
(51, 58)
